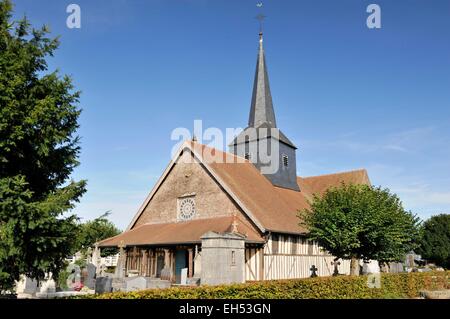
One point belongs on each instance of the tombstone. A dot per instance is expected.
(371, 267)
(197, 263)
(96, 258)
(183, 278)
(48, 285)
(336, 264)
(120, 268)
(313, 271)
(103, 285)
(89, 280)
(136, 283)
(101, 270)
(26, 285)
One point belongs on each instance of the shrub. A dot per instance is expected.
(405, 285)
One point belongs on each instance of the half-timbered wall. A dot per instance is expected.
(254, 263)
(288, 257)
(143, 261)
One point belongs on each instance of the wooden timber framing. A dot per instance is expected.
(148, 261)
(288, 257)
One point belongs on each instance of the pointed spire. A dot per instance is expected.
(261, 110)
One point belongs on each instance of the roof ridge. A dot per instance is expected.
(225, 152)
(338, 173)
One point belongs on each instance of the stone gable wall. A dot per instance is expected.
(184, 179)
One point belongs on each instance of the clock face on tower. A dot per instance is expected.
(186, 208)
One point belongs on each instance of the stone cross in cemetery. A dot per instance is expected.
(336, 267)
(120, 268)
(96, 257)
(313, 271)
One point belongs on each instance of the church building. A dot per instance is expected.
(232, 219)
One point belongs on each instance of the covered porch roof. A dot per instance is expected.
(183, 232)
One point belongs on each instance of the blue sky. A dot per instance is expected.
(347, 96)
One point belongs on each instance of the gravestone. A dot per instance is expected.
(103, 285)
(136, 283)
(370, 267)
(89, 280)
(48, 285)
(183, 280)
(197, 264)
(26, 286)
(313, 271)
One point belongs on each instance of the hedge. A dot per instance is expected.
(403, 285)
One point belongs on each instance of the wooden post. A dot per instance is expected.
(261, 264)
(151, 257)
(190, 263)
(144, 262)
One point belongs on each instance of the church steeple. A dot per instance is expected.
(262, 142)
(261, 110)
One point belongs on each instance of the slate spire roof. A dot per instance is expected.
(261, 111)
(262, 114)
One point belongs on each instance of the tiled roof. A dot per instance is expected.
(182, 232)
(271, 208)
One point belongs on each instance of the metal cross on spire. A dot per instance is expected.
(260, 17)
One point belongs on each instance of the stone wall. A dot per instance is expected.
(223, 259)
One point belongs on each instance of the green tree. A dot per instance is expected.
(38, 151)
(435, 243)
(96, 230)
(361, 222)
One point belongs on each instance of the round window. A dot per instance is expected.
(187, 208)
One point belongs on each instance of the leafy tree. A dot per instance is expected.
(95, 230)
(38, 151)
(435, 243)
(361, 222)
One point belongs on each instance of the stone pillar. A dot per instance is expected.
(166, 272)
(121, 263)
(144, 263)
(223, 258)
(96, 258)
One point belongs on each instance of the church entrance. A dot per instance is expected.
(181, 261)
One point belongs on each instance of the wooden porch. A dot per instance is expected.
(160, 262)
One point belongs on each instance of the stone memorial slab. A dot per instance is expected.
(26, 286)
(136, 283)
(103, 285)
(183, 280)
(89, 280)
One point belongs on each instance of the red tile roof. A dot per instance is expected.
(271, 208)
(179, 233)
(274, 207)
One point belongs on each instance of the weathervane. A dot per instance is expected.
(260, 17)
